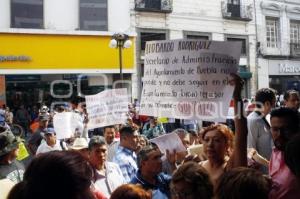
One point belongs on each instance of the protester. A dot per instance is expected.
(130, 191)
(193, 137)
(9, 116)
(284, 128)
(218, 141)
(23, 119)
(50, 143)
(150, 175)
(10, 168)
(259, 136)
(153, 128)
(291, 99)
(107, 175)
(143, 141)
(243, 183)
(191, 181)
(125, 156)
(35, 140)
(112, 143)
(57, 174)
(80, 145)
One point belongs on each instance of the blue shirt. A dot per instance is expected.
(126, 159)
(161, 188)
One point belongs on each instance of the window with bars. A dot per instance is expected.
(201, 37)
(235, 2)
(295, 32)
(27, 14)
(272, 32)
(93, 15)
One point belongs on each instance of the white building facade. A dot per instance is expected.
(278, 25)
(219, 20)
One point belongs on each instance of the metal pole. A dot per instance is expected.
(120, 45)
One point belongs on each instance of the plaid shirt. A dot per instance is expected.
(126, 159)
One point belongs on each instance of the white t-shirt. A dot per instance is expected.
(44, 147)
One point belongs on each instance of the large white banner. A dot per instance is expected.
(107, 108)
(189, 79)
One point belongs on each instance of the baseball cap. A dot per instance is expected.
(8, 142)
(43, 117)
(47, 131)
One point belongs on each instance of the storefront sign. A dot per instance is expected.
(283, 67)
(61, 52)
(14, 58)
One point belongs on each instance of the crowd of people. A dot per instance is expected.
(259, 159)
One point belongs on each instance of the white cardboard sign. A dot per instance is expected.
(188, 79)
(107, 108)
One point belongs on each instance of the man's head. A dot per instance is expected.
(109, 134)
(191, 181)
(184, 136)
(149, 160)
(153, 120)
(129, 138)
(43, 121)
(50, 136)
(284, 126)
(8, 143)
(97, 151)
(292, 99)
(265, 100)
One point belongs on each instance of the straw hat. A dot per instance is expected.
(79, 143)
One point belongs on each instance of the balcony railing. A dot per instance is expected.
(295, 49)
(236, 12)
(165, 6)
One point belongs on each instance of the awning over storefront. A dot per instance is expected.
(244, 72)
(61, 53)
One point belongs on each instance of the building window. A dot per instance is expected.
(150, 36)
(272, 30)
(93, 15)
(200, 37)
(244, 44)
(295, 32)
(27, 14)
(234, 2)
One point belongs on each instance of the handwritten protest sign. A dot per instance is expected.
(188, 79)
(107, 108)
(62, 123)
(170, 141)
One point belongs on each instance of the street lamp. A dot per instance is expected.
(120, 41)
